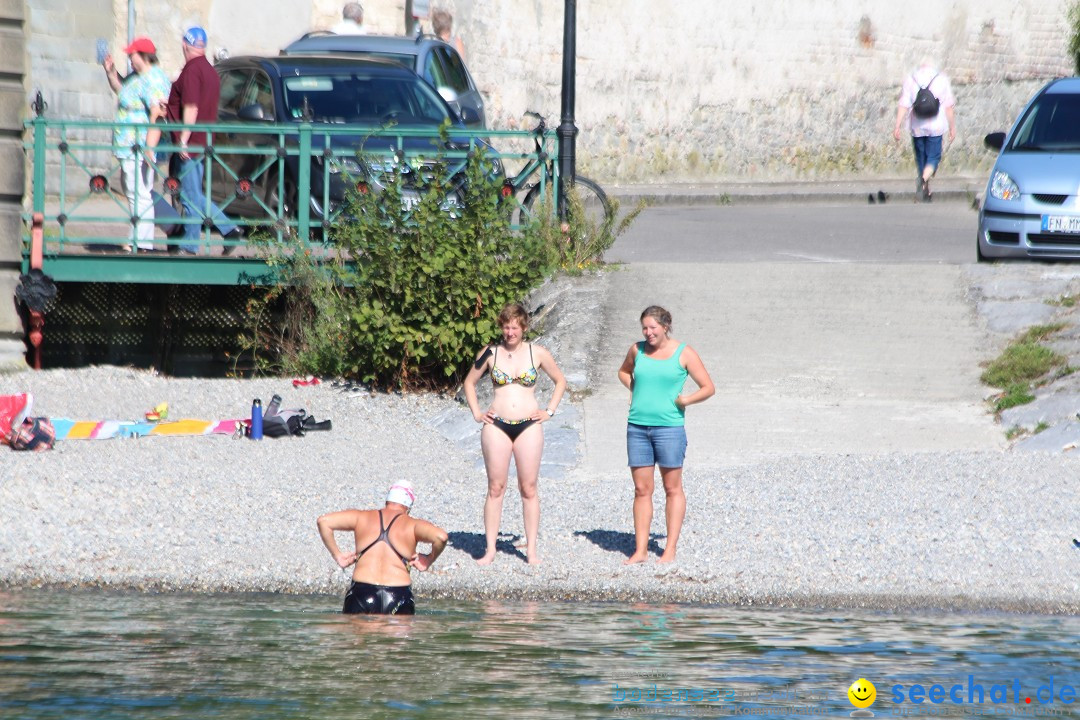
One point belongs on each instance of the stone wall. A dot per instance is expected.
(12, 175)
(695, 90)
(702, 90)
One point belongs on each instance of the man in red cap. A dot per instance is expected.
(194, 99)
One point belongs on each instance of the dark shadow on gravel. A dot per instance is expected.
(620, 542)
(475, 543)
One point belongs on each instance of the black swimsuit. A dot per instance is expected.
(380, 599)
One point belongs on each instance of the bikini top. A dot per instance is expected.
(385, 537)
(525, 379)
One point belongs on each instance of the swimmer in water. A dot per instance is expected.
(385, 550)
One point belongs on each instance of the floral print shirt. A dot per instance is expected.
(137, 95)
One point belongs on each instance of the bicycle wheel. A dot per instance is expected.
(593, 200)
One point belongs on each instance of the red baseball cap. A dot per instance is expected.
(142, 45)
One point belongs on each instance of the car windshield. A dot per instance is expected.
(1051, 123)
(362, 98)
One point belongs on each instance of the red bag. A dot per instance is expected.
(13, 408)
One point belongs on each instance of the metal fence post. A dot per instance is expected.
(303, 189)
(39, 126)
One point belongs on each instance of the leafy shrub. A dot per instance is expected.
(425, 285)
(408, 292)
(585, 235)
(410, 287)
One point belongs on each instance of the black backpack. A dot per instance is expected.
(283, 423)
(925, 105)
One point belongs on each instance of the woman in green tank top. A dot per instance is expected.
(654, 371)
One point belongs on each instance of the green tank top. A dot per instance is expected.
(656, 385)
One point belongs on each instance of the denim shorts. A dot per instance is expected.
(927, 152)
(655, 445)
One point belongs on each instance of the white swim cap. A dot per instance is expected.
(401, 492)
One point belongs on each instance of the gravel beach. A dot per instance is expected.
(946, 530)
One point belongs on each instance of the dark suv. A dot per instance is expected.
(329, 92)
(426, 55)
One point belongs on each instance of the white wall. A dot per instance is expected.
(687, 90)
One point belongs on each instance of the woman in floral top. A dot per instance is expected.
(139, 99)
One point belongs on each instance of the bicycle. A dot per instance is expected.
(593, 199)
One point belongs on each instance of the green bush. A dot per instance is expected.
(425, 286)
(586, 234)
(403, 298)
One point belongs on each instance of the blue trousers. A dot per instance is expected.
(190, 173)
(927, 153)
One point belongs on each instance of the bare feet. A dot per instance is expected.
(665, 558)
(487, 559)
(533, 559)
(636, 558)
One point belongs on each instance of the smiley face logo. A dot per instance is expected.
(862, 693)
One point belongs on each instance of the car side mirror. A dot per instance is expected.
(253, 112)
(995, 141)
(469, 116)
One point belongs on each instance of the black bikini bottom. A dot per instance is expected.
(379, 599)
(512, 429)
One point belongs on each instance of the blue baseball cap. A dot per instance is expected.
(195, 37)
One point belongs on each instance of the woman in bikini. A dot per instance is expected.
(512, 425)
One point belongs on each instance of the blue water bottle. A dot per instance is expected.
(256, 419)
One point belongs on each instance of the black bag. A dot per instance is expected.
(283, 423)
(926, 105)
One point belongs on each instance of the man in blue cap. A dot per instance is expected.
(194, 99)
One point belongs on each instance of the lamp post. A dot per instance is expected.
(567, 130)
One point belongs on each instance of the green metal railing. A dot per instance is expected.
(278, 180)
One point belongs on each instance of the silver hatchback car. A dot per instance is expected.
(1032, 203)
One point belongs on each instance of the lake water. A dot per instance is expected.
(89, 654)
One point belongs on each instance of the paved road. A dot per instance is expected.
(826, 329)
(896, 232)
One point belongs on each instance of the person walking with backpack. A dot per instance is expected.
(928, 107)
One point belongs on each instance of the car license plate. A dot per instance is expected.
(1060, 224)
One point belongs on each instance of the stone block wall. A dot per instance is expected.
(770, 90)
(12, 176)
(695, 90)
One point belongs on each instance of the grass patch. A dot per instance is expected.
(1021, 363)
(1040, 427)
(1014, 432)
(1016, 394)
(1063, 301)
(1038, 333)
(1025, 360)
